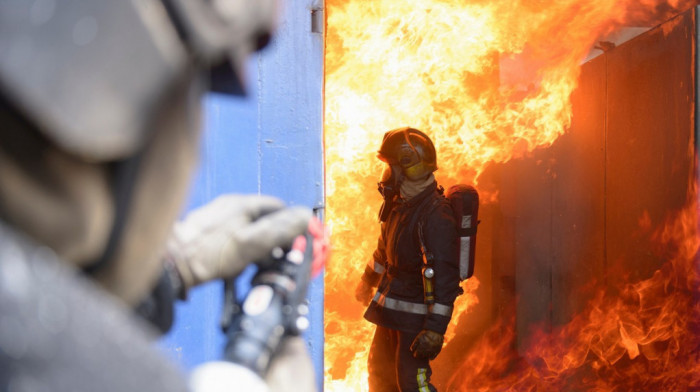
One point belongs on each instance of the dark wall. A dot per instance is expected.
(578, 216)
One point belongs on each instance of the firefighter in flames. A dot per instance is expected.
(414, 267)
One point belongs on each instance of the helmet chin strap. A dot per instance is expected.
(123, 184)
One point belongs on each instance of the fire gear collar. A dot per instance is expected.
(427, 344)
(221, 238)
(410, 188)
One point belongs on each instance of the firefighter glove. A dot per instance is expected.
(363, 292)
(221, 238)
(427, 344)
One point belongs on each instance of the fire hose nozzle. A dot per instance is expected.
(274, 307)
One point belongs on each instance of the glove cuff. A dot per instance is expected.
(175, 277)
(178, 267)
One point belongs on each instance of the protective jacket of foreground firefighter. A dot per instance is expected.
(99, 133)
(414, 267)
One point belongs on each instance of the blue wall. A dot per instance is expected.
(269, 142)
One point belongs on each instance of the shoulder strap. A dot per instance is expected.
(423, 209)
(419, 218)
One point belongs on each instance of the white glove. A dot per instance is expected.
(220, 239)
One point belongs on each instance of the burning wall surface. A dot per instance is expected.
(607, 297)
(586, 272)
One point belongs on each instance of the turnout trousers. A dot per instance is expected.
(392, 367)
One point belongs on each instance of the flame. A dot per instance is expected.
(644, 337)
(489, 81)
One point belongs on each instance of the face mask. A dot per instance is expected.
(389, 187)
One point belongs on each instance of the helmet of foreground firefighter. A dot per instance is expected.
(409, 155)
(100, 104)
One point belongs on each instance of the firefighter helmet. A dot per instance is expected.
(410, 149)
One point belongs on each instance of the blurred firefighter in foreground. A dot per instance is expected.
(99, 130)
(415, 267)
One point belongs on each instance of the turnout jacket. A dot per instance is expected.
(397, 264)
(62, 333)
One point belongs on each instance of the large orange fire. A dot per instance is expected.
(489, 81)
(645, 338)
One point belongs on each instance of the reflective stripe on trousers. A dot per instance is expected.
(391, 365)
(422, 380)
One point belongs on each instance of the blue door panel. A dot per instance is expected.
(268, 142)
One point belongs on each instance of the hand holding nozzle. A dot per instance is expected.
(276, 306)
(219, 239)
